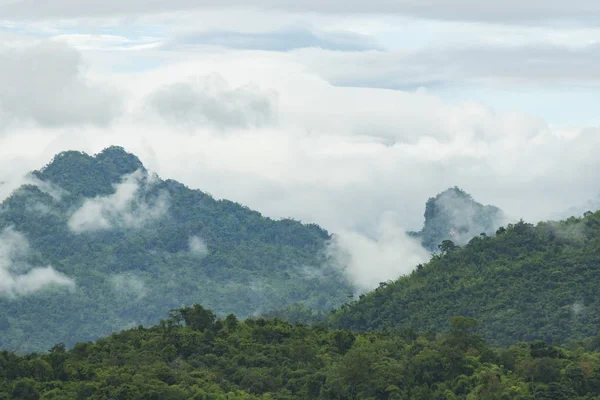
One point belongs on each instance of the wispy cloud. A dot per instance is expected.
(17, 277)
(126, 208)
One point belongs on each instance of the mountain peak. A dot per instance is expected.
(453, 214)
(85, 175)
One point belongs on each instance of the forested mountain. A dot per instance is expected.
(125, 247)
(455, 215)
(528, 282)
(193, 355)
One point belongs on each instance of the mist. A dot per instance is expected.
(17, 277)
(197, 246)
(129, 285)
(368, 261)
(126, 208)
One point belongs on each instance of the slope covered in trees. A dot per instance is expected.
(527, 283)
(193, 355)
(455, 215)
(125, 247)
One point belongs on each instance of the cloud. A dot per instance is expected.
(369, 261)
(210, 101)
(282, 40)
(198, 247)
(44, 83)
(126, 208)
(464, 10)
(17, 277)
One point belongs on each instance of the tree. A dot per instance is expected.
(448, 246)
(197, 317)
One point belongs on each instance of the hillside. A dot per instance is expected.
(192, 355)
(125, 247)
(455, 215)
(529, 282)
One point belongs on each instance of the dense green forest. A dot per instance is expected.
(526, 283)
(194, 355)
(138, 246)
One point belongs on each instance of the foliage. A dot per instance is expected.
(272, 359)
(527, 283)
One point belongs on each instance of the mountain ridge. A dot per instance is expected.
(529, 282)
(137, 246)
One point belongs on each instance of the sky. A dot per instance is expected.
(338, 113)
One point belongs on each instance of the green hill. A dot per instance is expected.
(529, 282)
(193, 355)
(455, 215)
(125, 247)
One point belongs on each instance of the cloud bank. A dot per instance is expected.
(17, 278)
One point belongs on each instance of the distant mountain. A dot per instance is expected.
(454, 215)
(591, 205)
(527, 283)
(125, 247)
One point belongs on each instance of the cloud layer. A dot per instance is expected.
(288, 111)
(507, 10)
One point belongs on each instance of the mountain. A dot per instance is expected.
(454, 215)
(95, 244)
(193, 355)
(527, 283)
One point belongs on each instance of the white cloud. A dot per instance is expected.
(369, 261)
(44, 83)
(198, 246)
(209, 101)
(17, 278)
(126, 208)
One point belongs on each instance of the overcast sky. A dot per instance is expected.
(334, 112)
